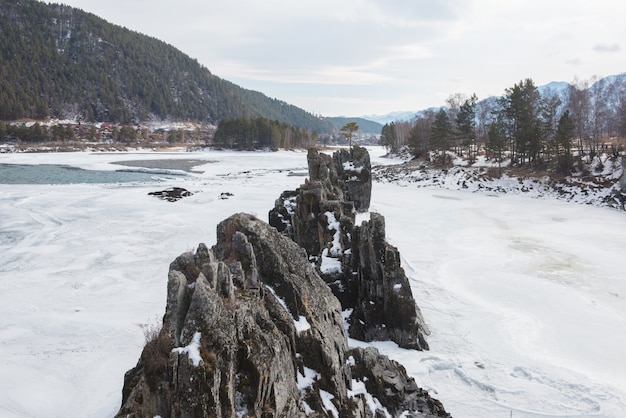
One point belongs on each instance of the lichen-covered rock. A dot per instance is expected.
(356, 261)
(250, 329)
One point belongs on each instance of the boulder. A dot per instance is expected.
(173, 194)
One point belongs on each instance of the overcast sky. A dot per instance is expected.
(362, 57)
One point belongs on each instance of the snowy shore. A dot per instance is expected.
(600, 187)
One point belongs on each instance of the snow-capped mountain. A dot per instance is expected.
(556, 87)
(402, 116)
(613, 84)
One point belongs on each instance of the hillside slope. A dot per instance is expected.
(365, 125)
(58, 61)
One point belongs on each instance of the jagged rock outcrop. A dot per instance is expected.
(387, 381)
(356, 261)
(250, 329)
(346, 175)
(385, 308)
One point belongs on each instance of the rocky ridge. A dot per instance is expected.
(250, 329)
(356, 261)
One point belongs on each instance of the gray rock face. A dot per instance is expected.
(250, 329)
(387, 381)
(385, 308)
(346, 176)
(358, 264)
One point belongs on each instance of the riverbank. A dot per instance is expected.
(600, 183)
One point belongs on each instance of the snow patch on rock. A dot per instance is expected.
(192, 350)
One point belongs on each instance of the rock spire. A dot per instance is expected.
(356, 261)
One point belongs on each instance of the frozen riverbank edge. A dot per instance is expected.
(602, 186)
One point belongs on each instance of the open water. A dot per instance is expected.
(64, 174)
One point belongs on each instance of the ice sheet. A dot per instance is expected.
(524, 298)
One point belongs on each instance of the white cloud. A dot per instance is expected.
(322, 75)
(607, 47)
(401, 54)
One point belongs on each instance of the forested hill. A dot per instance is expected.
(365, 125)
(58, 61)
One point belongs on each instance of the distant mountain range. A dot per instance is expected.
(391, 117)
(609, 86)
(558, 87)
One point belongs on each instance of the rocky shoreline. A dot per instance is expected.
(604, 188)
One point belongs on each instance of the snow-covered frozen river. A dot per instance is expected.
(525, 298)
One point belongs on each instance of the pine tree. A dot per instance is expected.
(550, 104)
(440, 134)
(466, 124)
(564, 137)
(387, 137)
(520, 110)
(496, 142)
(348, 131)
(419, 136)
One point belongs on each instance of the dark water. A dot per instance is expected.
(62, 174)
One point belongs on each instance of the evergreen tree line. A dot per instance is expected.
(258, 133)
(522, 127)
(57, 61)
(37, 133)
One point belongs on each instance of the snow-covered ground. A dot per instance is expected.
(602, 186)
(524, 297)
